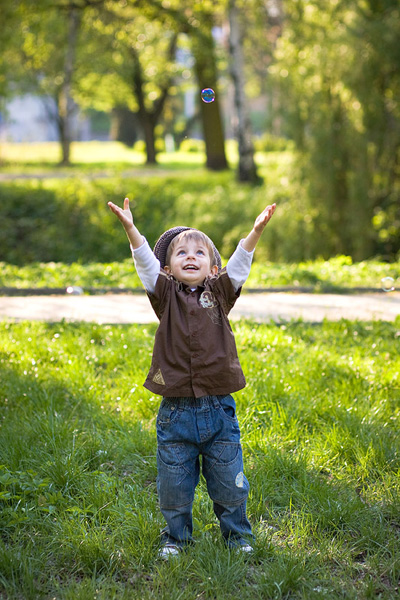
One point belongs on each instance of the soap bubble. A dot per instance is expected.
(387, 284)
(74, 290)
(208, 95)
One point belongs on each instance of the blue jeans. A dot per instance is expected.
(186, 429)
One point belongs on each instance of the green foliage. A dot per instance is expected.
(332, 86)
(56, 220)
(66, 220)
(336, 69)
(320, 431)
(272, 143)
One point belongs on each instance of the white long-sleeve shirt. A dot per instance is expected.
(148, 266)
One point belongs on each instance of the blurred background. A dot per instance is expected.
(102, 99)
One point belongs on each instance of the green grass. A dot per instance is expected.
(336, 274)
(320, 430)
(44, 154)
(110, 153)
(113, 158)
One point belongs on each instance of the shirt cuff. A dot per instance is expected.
(238, 267)
(246, 252)
(147, 265)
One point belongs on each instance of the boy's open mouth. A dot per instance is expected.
(190, 268)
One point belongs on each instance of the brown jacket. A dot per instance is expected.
(194, 349)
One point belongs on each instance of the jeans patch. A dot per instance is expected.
(239, 481)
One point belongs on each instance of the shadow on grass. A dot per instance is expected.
(80, 511)
(77, 487)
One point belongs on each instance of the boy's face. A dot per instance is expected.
(190, 262)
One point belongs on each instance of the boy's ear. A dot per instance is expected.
(214, 270)
(167, 269)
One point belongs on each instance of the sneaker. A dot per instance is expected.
(245, 548)
(168, 550)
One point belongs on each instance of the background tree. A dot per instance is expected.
(335, 66)
(207, 77)
(375, 80)
(8, 47)
(41, 57)
(65, 102)
(196, 20)
(135, 70)
(247, 170)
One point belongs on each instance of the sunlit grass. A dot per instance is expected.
(101, 155)
(115, 156)
(336, 274)
(320, 429)
(81, 152)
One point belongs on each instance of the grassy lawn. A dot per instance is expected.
(92, 155)
(320, 428)
(110, 158)
(334, 275)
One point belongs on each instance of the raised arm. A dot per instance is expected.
(238, 266)
(147, 265)
(126, 218)
(250, 242)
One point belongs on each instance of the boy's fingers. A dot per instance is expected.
(126, 204)
(266, 214)
(269, 210)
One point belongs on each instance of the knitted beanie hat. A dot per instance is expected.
(161, 247)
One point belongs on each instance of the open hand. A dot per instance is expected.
(263, 218)
(124, 215)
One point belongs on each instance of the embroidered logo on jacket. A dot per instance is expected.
(158, 378)
(208, 300)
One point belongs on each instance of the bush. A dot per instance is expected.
(68, 220)
(57, 220)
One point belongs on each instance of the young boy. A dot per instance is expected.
(195, 368)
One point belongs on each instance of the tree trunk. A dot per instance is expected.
(124, 126)
(66, 104)
(206, 72)
(149, 118)
(247, 170)
(148, 126)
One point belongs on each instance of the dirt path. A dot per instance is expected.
(278, 306)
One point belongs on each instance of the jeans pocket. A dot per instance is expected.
(175, 481)
(168, 413)
(225, 453)
(227, 407)
(223, 470)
